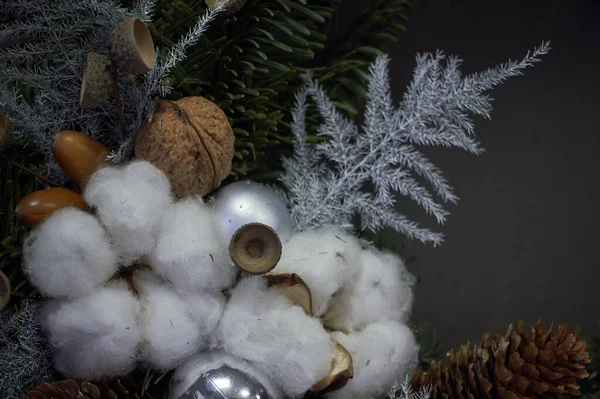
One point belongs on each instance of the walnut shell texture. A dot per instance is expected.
(191, 141)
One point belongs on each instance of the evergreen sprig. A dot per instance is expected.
(249, 64)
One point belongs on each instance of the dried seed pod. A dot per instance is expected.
(131, 46)
(78, 155)
(293, 287)
(255, 248)
(231, 7)
(5, 131)
(191, 141)
(37, 206)
(341, 371)
(4, 290)
(97, 83)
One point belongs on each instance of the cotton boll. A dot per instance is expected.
(69, 254)
(325, 260)
(96, 335)
(206, 308)
(193, 369)
(382, 290)
(130, 202)
(189, 253)
(382, 354)
(170, 334)
(276, 336)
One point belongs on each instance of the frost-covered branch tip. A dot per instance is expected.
(404, 391)
(327, 184)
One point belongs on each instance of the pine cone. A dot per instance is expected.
(514, 366)
(120, 388)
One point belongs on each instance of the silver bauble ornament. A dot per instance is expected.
(246, 202)
(217, 375)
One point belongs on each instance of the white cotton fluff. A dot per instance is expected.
(170, 334)
(326, 260)
(382, 354)
(96, 335)
(188, 251)
(382, 290)
(130, 202)
(206, 308)
(69, 254)
(188, 374)
(276, 336)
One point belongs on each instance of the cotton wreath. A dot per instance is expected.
(361, 299)
(136, 279)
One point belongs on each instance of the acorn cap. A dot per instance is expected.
(97, 82)
(255, 248)
(5, 131)
(293, 287)
(131, 46)
(4, 290)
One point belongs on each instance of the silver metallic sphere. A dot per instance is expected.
(241, 203)
(218, 376)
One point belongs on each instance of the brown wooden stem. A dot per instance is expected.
(17, 293)
(31, 172)
(117, 96)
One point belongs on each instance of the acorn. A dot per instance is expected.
(4, 290)
(131, 46)
(39, 205)
(97, 83)
(342, 370)
(78, 155)
(5, 132)
(255, 248)
(293, 287)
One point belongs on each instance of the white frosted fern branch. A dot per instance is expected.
(404, 391)
(328, 184)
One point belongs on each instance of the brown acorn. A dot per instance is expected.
(191, 141)
(78, 155)
(37, 206)
(131, 46)
(255, 248)
(4, 290)
(5, 132)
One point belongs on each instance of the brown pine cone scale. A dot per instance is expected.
(516, 365)
(120, 388)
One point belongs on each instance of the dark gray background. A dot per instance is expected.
(523, 241)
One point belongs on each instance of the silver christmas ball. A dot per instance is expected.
(216, 375)
(241, 203)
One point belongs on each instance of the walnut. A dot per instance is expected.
(191, 141)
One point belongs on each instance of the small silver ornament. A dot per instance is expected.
(246, 202)
(217, 375)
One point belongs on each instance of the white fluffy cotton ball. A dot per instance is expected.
(382, 354)
(189, 252)
(276, 336)
(69, 254)
(326, 260)
(94, 336)
(130, 202)
(382, 290)
(170, 334)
